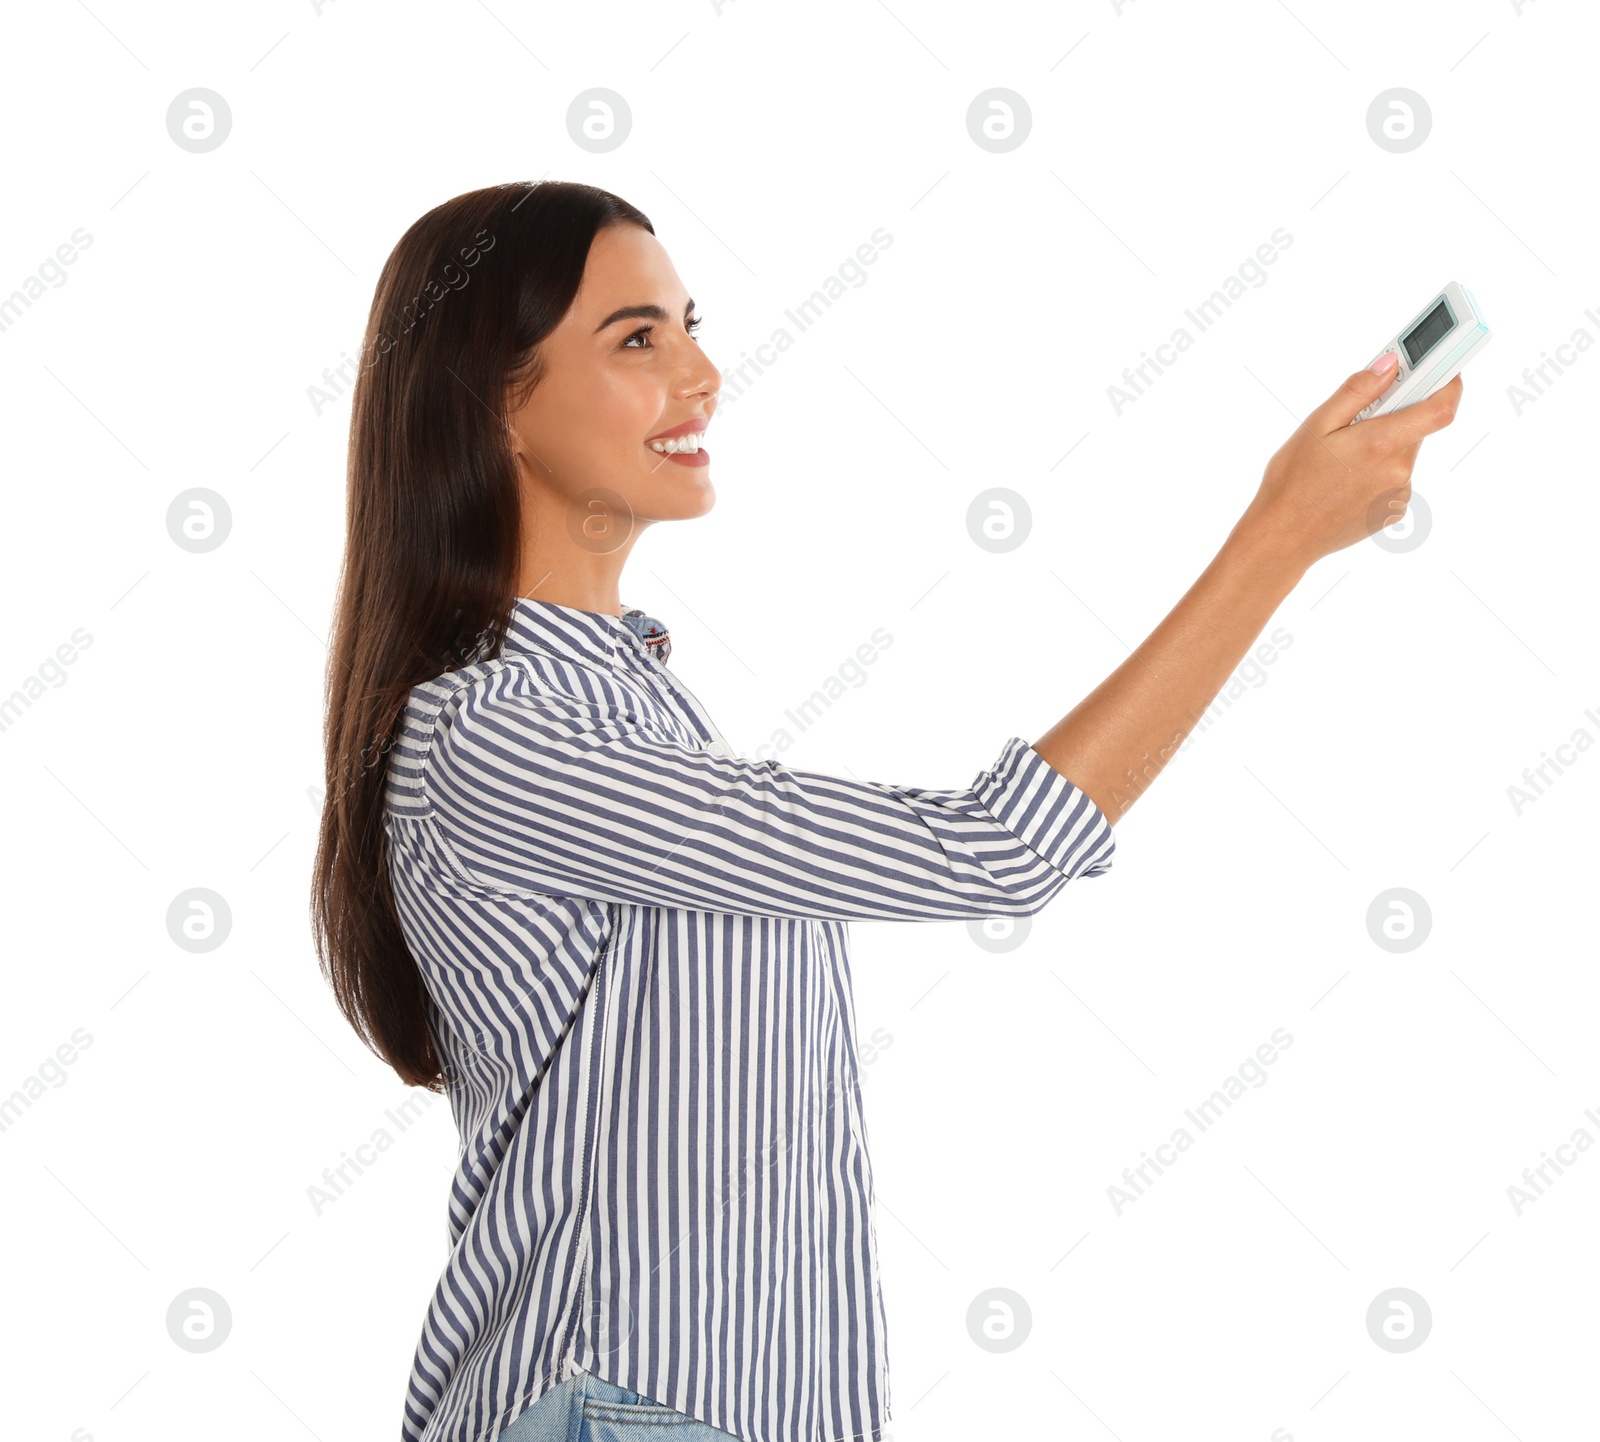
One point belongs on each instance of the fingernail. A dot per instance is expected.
(1386, 362)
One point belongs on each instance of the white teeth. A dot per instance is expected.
(678, 445)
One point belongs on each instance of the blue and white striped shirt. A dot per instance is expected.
(635, 942)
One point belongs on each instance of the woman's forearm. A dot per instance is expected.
(1115, 741)
(1331, 484)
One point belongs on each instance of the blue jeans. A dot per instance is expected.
(586, 1408)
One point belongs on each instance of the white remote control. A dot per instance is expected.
(1443, 337)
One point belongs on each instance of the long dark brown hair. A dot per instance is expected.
(432, 542)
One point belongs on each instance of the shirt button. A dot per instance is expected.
(720, 748)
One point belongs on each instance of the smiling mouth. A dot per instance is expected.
(688, 445)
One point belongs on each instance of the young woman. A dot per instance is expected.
(547, 886)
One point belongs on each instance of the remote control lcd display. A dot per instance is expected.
(1428, 333)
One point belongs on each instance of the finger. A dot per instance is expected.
(1410, 425)
(1358, 391)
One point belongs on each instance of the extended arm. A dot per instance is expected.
(1330, 485)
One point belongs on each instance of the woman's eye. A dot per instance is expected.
(689, 325)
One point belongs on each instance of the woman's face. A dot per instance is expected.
(620, 368)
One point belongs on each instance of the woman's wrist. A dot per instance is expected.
(1265, 550)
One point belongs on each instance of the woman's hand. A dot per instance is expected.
(1331, 483)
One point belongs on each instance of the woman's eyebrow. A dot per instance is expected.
(641, 312)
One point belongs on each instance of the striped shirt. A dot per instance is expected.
(635, 945)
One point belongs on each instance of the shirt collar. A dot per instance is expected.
(592, 636)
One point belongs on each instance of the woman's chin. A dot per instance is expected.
(698, 497)
(685, 493)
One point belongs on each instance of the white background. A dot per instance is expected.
(181, 748)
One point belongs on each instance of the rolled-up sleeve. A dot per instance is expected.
(534, 792)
